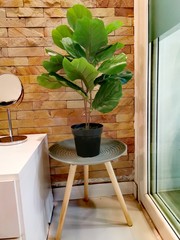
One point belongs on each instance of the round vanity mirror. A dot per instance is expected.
(11, 94)
(10, 90)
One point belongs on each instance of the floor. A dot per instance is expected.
(102, 219)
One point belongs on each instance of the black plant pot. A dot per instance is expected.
(87, 140)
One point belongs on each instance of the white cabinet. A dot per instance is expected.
(26, 200)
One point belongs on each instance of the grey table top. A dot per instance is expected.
(65, 152)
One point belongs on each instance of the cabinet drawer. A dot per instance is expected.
(9, 217)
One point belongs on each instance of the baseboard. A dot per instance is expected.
(95, 190)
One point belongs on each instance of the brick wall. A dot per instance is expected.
(25, 32)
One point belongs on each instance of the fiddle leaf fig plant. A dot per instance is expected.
(89, 63)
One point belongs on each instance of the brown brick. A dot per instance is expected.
(35, 97)
(110, 134)
(59, 137)
(25, 32)
(38, 122)
(20, 42)
(131, 156)
(12, 22)
(3, 33)
(75, 104)
(24, 12)
(127, 3)
(126, 117)
(6, 61)
(124, 12)
(125, 31)
(104, 118)
(28, 70)
(118, 126)
(11, 3)
(108, 3)
(2, 12)
(69, 113)
(3, 42)
(127, 40)
(49, 105)
(3, 52)
(25, 106)
(53, 22)
(41, 3)
(33, 130)
(70, 3)
(128, 93)
(31, 51)
(55, 12)
(28, 79)
(20, 61)
(98, 174)
(4, 132)
(31, 88)
(48, 31)
(4, 116)
(102, 12)
(61, 129)
(35, 22)
(124, 133)
(13, 61)
(64, 96)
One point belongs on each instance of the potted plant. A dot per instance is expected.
(90, 65)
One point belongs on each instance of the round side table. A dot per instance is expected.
(65, 152)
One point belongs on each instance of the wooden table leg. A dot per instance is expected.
(86, 177)
(118, 192)
(67, 193)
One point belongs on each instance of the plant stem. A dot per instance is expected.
(86, 113)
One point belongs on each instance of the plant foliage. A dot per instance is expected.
(89, 60)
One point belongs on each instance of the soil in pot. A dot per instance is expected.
(87, 140)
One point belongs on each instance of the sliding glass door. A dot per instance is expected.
(157, 112)
(164, 125)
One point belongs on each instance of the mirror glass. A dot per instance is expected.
(10, 90)
(11, 94)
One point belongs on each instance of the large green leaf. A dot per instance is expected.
(73, 48)
(114, 65)
(47, 81)
(108, 96)
(100, 79)
(59, 33)
(78, 11)
(65, 82)
(124, 76)
(54, 64)
(91, 34)
(108, 52)
(81, 69)
(113, 26)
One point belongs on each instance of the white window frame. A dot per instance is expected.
(141, 107)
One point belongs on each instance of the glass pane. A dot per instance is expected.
(165, 125)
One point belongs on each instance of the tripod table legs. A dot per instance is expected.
(68, 189)
(118, 192)
(69, 184)
(86, 176)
